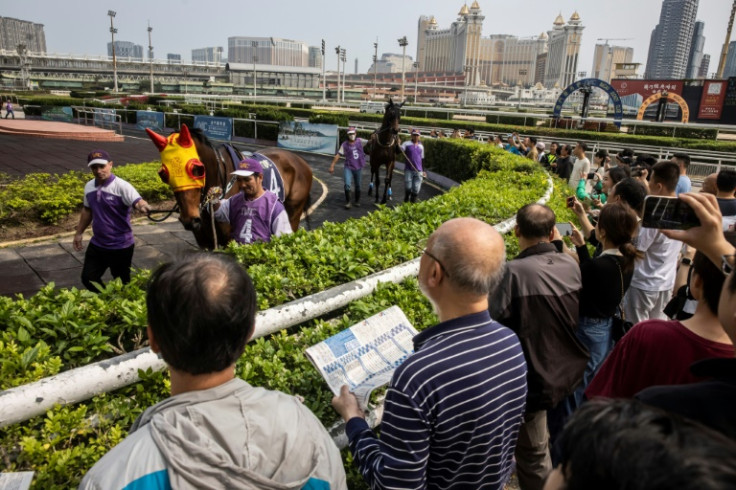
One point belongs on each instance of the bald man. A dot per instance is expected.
(709, 184)
(453, 408)
(538, 299)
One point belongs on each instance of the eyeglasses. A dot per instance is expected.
(422, 246)
(727, 263)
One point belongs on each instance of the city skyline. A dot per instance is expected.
(84, 25)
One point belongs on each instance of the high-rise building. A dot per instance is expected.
(392, 63)
(669, 46)
(14, 32)
(695, 57)
(268, 51)
(126, 49)
(173, 58)
(730, 68)
(207, 55)
(499, 58)
(607, 57)
(315, 57)
(704, 65)
(563, 51)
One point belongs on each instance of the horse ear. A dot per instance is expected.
(185, 137)
(157, 139)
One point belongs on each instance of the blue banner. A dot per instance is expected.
(216, 128)
(319, 138)
(104, 116)
(149, 119)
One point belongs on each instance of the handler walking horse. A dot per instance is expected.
(384, 145)
(198, 173)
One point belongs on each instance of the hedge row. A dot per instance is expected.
(58, 329)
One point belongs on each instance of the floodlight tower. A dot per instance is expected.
(113, 31)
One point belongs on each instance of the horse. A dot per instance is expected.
(384, 145)
(198, 173)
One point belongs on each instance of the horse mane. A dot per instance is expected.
(392, 111)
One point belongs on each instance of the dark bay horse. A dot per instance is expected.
(384, 145)
(198, 172)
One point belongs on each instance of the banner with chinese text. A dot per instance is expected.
(216, 128)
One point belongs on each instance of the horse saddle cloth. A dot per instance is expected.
(272, 179)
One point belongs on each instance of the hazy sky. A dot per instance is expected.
(82, 26)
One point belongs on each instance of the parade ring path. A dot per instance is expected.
(28, 265)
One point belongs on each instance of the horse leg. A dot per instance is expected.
(377, 182)
(370, 185)
(387, 182)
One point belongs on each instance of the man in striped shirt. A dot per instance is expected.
(453, 408)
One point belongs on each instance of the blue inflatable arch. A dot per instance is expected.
(618, 109)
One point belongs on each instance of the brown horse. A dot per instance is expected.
(198, 172)
(383, 148)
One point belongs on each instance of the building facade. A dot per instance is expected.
(671, 39)
(563, 50)
(729, 69)
(392, 63)
(606, 58)
(499, 59)
(695, 58)
(173, 58)
(315, 57)
(267, 51)
(126, 49)
(704, 66)
(207, 55)
(14, 32)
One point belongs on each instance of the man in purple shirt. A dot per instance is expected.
(414, 170)
(107, 203)
(254, 214)
(352, 150)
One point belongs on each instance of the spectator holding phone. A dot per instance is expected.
(617, 224)
(654, 277)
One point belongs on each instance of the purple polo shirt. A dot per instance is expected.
(353, 153)
(255, 220)
(415, 153)
(110, 204)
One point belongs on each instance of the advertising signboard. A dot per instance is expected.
(319, 138)
(711, 102)
(149, 119)
(216, 128)
(634, 92)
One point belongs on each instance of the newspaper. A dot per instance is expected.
(365, 355)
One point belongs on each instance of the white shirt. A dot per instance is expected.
(656, 271)
(580, 165)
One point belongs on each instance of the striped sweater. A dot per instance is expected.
(452, 411)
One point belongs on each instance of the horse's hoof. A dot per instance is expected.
(383, 201)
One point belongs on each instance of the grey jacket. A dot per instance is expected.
(230, 436)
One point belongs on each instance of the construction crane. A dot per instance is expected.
(616, 38)
(724, 50)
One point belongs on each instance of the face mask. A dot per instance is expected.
(351, 137)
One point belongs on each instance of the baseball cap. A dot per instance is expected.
(540, 146)
(98, 157)
(248, 166)
(415, 131)
(351, 130)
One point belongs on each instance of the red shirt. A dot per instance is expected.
(654, 352)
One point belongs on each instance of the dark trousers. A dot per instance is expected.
(97, 260)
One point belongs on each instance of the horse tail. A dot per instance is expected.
(306, 211)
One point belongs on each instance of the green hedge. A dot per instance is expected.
(58, 329)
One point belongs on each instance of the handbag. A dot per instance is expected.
(620, 325)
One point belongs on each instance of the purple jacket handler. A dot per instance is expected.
(414, 171)
(352, 150)
(107, 203)
(253, 214)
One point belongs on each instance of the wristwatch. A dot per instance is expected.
(686, 261)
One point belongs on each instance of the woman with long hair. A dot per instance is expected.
(612, 269)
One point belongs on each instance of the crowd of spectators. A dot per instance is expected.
(524, 369)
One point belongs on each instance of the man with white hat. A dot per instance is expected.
(253, 214)
(414, 171)
(352, 150)
(107, 203)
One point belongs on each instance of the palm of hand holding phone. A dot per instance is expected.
(668, 213)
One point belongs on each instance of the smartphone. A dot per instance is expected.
(668, 213)
(564, 228)
(591, 175)
(571, 201)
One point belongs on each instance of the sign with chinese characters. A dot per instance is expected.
(711, 102)
(645, 88)
(149, 119)
(216, 128)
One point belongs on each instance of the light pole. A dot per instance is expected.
(324, 80)
(403, 43)
(375, 68)
(113, 31)
(416, 80)
(254, 45)
(150, 54)
(342, 57)
(337, 50)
